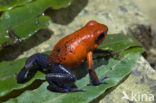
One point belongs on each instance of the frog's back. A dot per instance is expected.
(72, 49)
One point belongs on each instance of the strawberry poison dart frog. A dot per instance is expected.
(68, 53)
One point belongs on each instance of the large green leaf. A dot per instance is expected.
(119, 43)
(115, 69)
(26, 20)
(9, 4)
(104, 67)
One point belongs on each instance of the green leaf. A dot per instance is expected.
(56, 4)
(23, 31)
(9, 4)
(133, 49)
(26, 20)
(115, 69)
(120, 43)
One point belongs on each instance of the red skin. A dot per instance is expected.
(73, 49)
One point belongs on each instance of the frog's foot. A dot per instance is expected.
(98, 82)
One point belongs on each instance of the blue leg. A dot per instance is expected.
(33, 64)
(62, 80)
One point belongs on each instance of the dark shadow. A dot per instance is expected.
(66, 15)
(97, 100)
(100, 57)
(16, 93)
(1, 13)
(12, 52)
(82, 71)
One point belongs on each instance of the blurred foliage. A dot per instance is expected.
(10, 4)
(26, 18)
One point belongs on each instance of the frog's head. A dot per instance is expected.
(99, 31)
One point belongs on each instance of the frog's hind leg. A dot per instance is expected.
(33, 64)
(61, 83)
(62, 80)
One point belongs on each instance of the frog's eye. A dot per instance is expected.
(100, 37)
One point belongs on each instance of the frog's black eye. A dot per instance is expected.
(100, 37)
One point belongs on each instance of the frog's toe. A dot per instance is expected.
(103, 78)
(98, 83)
(103, 82)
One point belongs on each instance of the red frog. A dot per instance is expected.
(68, 53)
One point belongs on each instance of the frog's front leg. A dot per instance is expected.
(92, 74)
(62, 80)
(33, 64)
